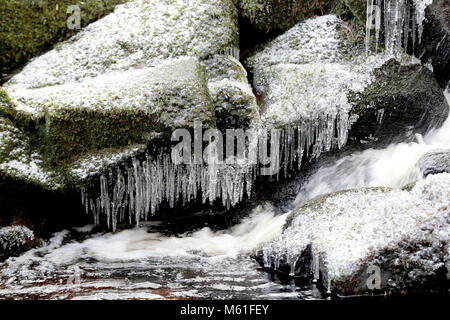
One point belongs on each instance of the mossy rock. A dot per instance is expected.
(402, 100)
(137, 34)
(351, 10)
(115, 110)
(20, 160)
(232, 96)
(29, 27)
(358, 9)
(221, 66)
(234, 104)
(280, 15)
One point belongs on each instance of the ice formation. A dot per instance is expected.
(305, 76)
(403, 22)
(141, 188)
(347, 227)
(393, 166)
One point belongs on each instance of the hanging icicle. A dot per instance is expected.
(403, 22)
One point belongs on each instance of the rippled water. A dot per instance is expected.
(135, 264)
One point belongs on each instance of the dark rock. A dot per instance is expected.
(269, 15)
(435, 162)
(402, 101)
(434, 47)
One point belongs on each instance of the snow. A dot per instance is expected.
(133, 90)
(305, 77)
(137, 33)
(19, 161)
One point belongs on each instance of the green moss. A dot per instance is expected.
(66, 127)
(280, 15)
(220, 67)
(29, 27)
(234, 108)
(351, 10)
(358, 9)
(405, 85)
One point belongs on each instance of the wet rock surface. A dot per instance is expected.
(402, 101)
(279, 15)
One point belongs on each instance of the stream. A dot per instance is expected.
(140, 264)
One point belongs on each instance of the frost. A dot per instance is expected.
(14, 237)
(305, 77)
(132, 90)
(138, 33)
(19, 161)
(91, 165)
(140, 189)
(314, 40)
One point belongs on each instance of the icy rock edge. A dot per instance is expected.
(403, 233)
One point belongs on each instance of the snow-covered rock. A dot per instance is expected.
(137, 33)
(233, 99)
(403, 233)
(20, 160)
(116, 109)
(435, 162)
(108, 99)
(315, 80)
(15, 240)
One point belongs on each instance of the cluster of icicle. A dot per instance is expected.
(311, 139)
(137, 191)
(273, 260)
(141, 188)
(402, 19)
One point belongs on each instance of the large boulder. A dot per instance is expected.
(32, 26)
(115, 109)
(341, 239)
(317, 81)
(403, 100)
(138, 33)
(101, 107)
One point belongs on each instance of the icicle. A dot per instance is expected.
(401, 23)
